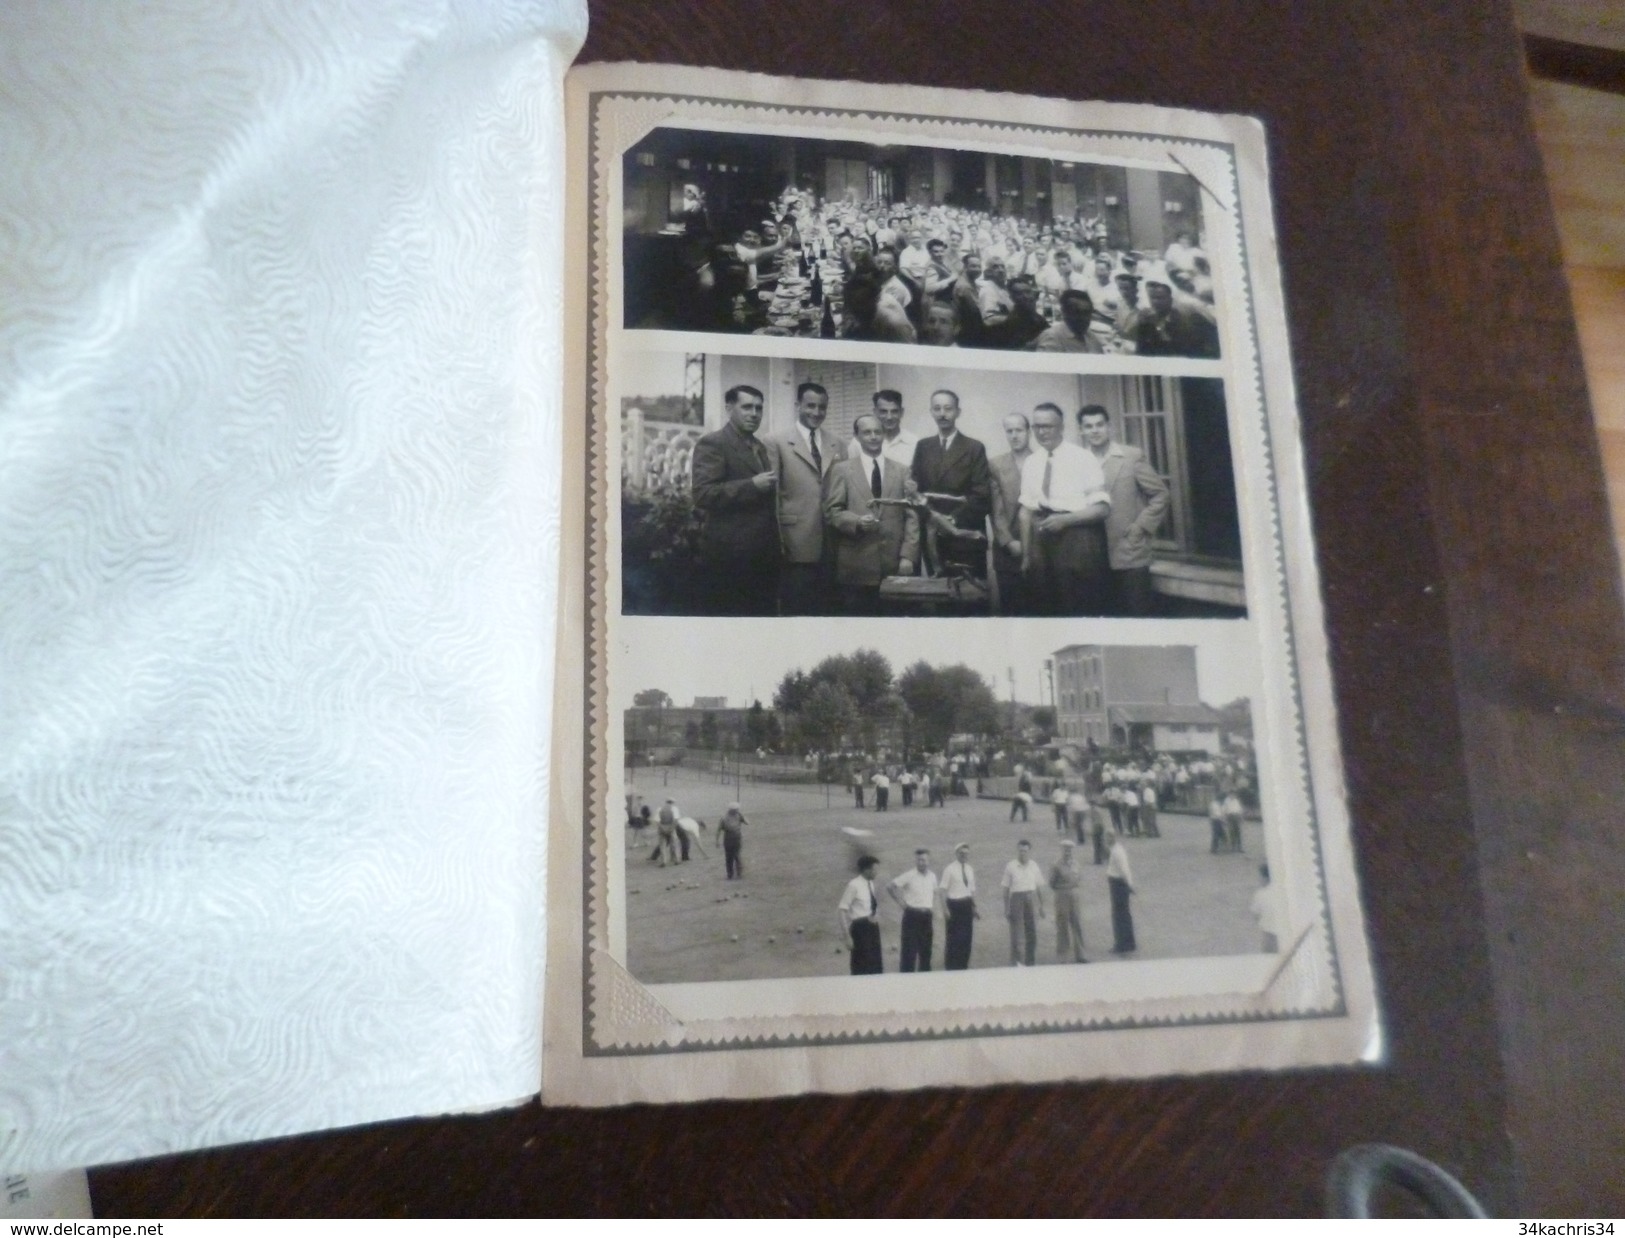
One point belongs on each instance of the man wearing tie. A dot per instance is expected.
(860, 919)
(1006, 472)
(950, 463)
(736, 486)
(804, 460)
(872, 542)
(959, 902)
(1063, 507)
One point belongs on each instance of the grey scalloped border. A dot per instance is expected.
(590, 1046)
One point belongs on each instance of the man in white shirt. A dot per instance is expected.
(882, 789)
(1023, 887)
(1120, 883)
(1063, 509)
(958, 886)
(859, 910)
(899, 443)
(915, 260)
(916, 893)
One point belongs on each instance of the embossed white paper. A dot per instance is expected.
(279, 439)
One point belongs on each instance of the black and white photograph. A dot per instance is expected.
(778, 486)
(925, 802)
(798, 236)
(823, 397)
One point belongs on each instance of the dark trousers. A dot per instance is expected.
(1233, 826)
(857, 793)
(1131, 819)
(862, 601)
(1069, 573)
(1122, 917)
(908, 795)
(1023, 928)
(1134, 595)
(1097, 835)
(1013, 599)
(1060, 819)
(1117, 816)
(961, 920)
(1017, 804)
(882, 794)
(866, 948)
(1220, 842)
(804, 589)
(743, 589)
(917, 933)
(730, 856)
(682, 842)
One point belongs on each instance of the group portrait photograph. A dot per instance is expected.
(807, 237)
(781, 486)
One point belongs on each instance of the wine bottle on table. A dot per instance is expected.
(827, 331)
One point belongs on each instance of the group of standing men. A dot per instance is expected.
(919, 891)
(800, 524)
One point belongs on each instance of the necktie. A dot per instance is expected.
(1049, 471)
(818, 460)
(874, 904)
(874, 479)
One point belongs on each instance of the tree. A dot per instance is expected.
(1043, 717)
(708, 730)
(827, 717)
(652, 698)
(945, 701)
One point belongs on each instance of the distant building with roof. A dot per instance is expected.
(1132, 696)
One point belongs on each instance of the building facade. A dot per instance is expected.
(1132, 696)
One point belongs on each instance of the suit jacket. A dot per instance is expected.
(1006, 474)
(1139, 501)
(741, 522)
(963, 471)
(801, 494)
(866, 558)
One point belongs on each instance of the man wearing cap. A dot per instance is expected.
(1164, 329)
(958, 886)
(1023, 887)
(1063, 508)
(859, 910)
(1064, 879)
(731, 829)
(916, 893)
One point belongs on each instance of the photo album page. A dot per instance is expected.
(940, 600)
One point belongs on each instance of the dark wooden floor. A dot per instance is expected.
(1472, 594)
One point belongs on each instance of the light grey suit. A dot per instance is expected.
(866, 556)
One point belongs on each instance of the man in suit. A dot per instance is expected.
(805, 458)
(736, 486)
(1006, 473)
(871, 542)
(1139, 498)
(951, 463)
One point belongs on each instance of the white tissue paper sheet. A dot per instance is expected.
(280, 331)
